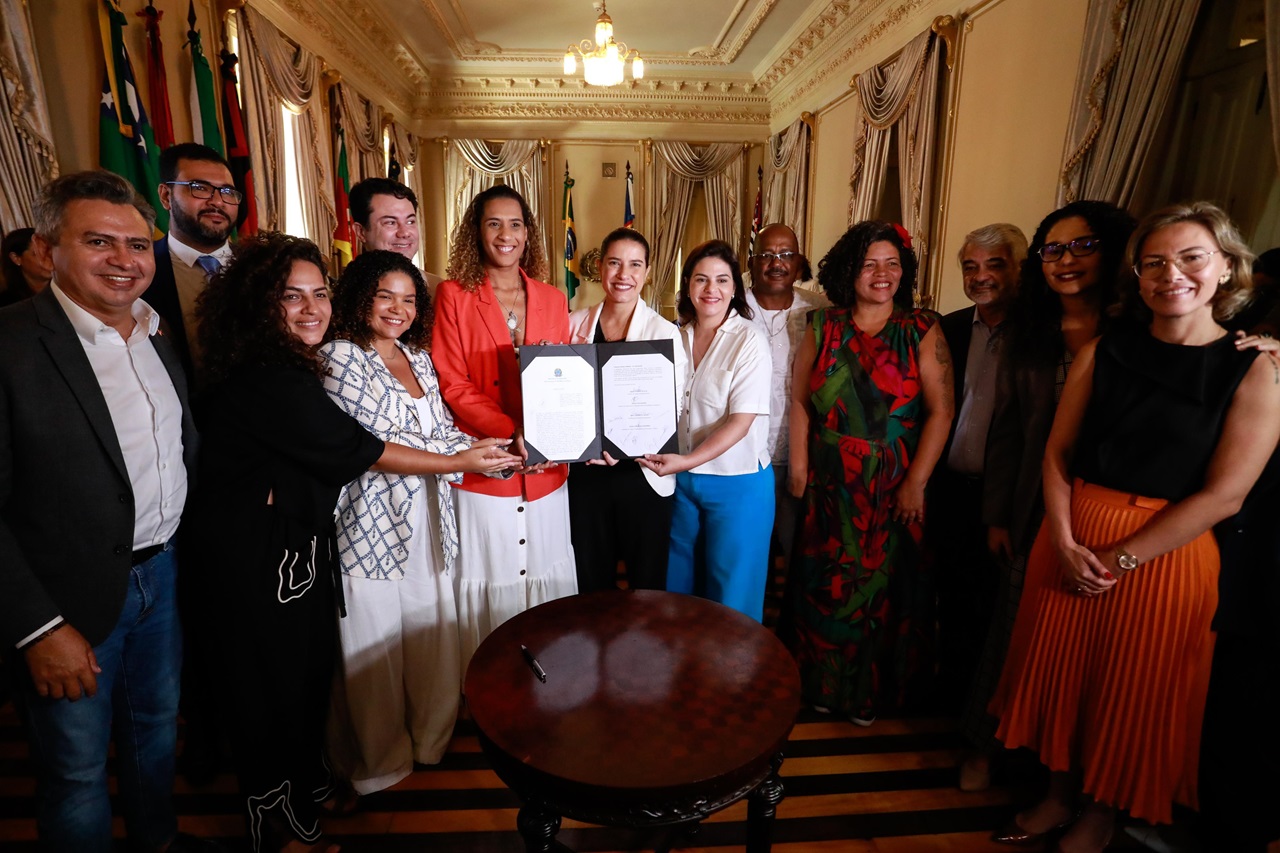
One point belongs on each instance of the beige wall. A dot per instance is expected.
(431, 209)
(832, 160)
(1000, 160)
(1011, 108)
(71, 63)
(597, 202)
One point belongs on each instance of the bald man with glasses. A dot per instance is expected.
(781, 311)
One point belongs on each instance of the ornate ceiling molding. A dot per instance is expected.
(744, 35)
(352, 49)
(354, 37)
(647, 101)
(792, 67)
(591, 111)
(465, 48)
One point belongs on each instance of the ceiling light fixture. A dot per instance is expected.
(603, 64)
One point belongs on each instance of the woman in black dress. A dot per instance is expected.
(275, 453)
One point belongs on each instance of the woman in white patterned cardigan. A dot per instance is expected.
(397, 537)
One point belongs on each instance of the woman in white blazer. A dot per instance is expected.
(397, 536)
(619, 510)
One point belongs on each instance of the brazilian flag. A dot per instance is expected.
(126, 143)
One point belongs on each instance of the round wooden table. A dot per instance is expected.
(657, 709)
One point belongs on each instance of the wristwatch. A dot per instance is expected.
(1126, 561)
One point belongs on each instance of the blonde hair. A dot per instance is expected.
(466, 259)
(1233, 294)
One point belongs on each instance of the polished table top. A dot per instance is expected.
(645, 691)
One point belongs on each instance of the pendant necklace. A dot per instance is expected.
(512, 322)
(779, 315)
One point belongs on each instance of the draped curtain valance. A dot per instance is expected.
(474, 165)
(1129, 68)
(786, 183)
(678, 168)
(279, 73)
(362, 121)
(27, 155)
(899, 94)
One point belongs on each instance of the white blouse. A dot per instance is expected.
(733, 378)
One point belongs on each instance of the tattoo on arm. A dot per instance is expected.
(1275, 365)
(943, 353)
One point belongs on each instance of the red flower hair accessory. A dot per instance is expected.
(904, 234)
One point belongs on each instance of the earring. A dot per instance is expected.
(1224, 278)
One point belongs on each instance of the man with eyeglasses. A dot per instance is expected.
(781, 311)
(197, 189)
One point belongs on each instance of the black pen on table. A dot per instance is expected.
(533, 663)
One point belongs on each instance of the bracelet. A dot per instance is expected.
(46, 635)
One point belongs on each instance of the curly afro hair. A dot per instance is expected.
(467, 258)
(1036, 313)
(241, 320)
(353, 300)
(838, 271)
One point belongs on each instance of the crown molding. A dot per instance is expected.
(363, 47)
(841, 41)
(813, 59)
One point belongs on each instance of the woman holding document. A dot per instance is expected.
(515, 549)
(723, 514)
(621, 510)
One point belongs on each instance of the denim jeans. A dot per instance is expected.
(720, 531)
(138, 692)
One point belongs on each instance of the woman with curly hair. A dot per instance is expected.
(1163, 427)
(397, 536)
(870, 411)
(1069, 277)
(723, 514)
(516, 550)
(275, 454)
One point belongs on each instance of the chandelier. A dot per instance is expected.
(602, 65)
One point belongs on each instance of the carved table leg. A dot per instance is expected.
(762, 805)
(538, 825)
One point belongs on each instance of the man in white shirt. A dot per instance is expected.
(781, 311)
(204, 206)
(95, 448)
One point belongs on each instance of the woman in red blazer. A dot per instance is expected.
(513, 532)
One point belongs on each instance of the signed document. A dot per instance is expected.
(638, 403)
(581, 400)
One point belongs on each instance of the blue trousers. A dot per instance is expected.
(720, 530)
(137, 694)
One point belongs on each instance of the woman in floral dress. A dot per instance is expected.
(870, 413)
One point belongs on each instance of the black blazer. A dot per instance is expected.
(162, 295)
(1020, 424)
(66, 504)
(957, 328)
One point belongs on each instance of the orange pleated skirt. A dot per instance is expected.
(1114, 685)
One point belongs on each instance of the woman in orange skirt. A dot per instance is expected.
(1163, 427)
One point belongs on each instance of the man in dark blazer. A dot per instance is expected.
(990, 259)
(204, 205)
(96, 440)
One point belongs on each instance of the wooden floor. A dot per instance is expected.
(885, 789)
